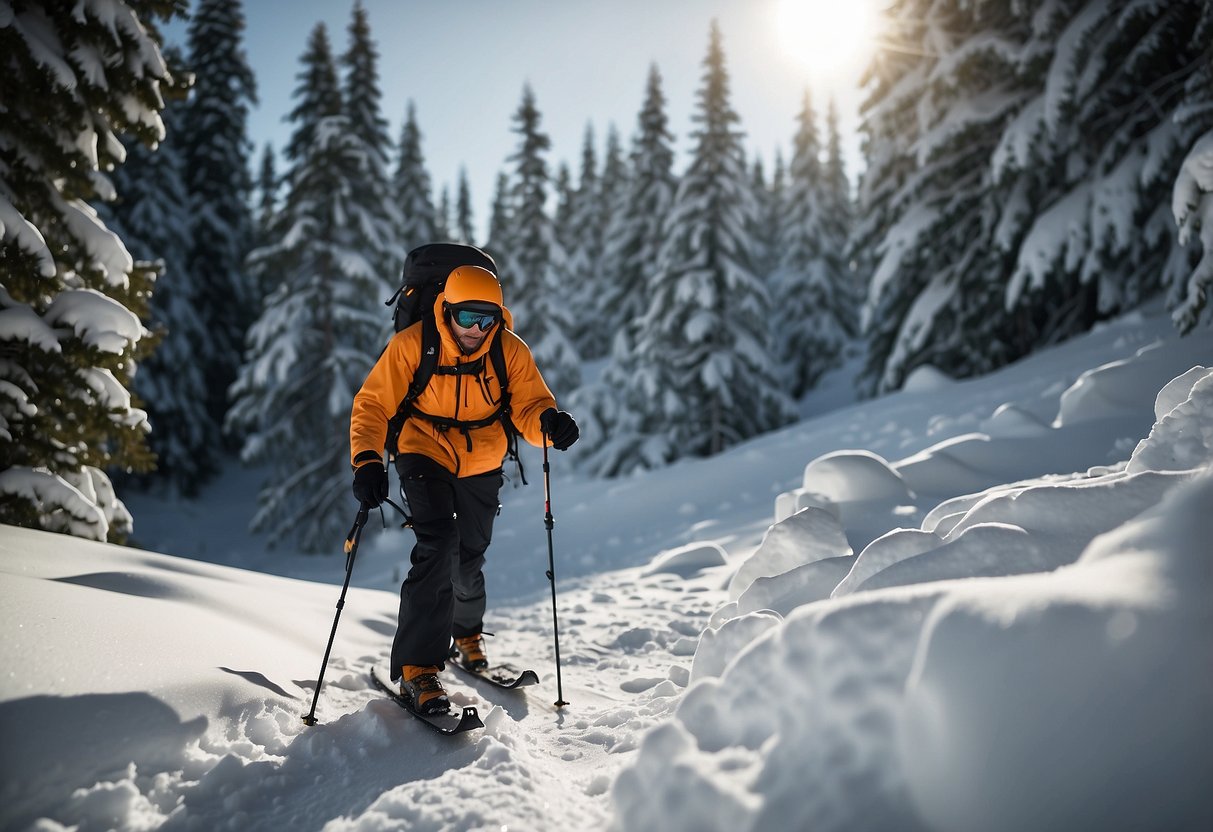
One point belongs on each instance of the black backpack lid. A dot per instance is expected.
(434, 261)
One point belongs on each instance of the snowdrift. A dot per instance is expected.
(1034, 656)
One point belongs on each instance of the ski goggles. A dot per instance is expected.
(468, 318)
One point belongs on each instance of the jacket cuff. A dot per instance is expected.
(365, 457)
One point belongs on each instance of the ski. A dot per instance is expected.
(504, 676)
(449, 723)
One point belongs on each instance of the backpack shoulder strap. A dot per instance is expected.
(431, 345)
(427, 364)
(497, 356)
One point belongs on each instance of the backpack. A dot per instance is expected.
(424, 276)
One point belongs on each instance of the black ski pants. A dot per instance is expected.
(443, 595)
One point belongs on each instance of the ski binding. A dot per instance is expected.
(454, 721)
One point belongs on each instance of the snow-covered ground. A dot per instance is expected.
(986, 605)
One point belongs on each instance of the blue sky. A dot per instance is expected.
(464, 63)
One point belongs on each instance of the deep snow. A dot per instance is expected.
(985, 605)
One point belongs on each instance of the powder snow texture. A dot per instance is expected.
(809, 535)
(1183, 437)
(1080, 699)
(1033, 658)
(146, 690)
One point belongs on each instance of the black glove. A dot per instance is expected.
(560, 427)
(370, 483)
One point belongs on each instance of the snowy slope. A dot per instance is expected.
(986, 605)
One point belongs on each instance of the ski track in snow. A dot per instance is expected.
(260, 767)
(617, 679)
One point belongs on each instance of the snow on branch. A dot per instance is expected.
(100, 321)
(104, 248)
(61, 507)
(1192, 205)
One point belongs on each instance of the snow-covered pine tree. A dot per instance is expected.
(1192, 201)
(500, 214)
(611, 410)
(369, 187)
(705, 362)
(936, 294)
(323, 326)
(152, 215)
(765, 230)
(1192, 194)
(566, 203)
(1097, 150)
(1035, 148)
(535, 264)
(894, 80)
(465, 227)
(74, 78)
(530, 232)
(814, 299)
(268, 217)
(839, 213)
(594, 329)
(267, 201)
(611, 413)
(522, 261)
(215, 146)
(582, 239)
(412, 185)
(636, 229)
(776, 204)
(614, 180)
(442, 216)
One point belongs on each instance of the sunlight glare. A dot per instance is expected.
(831, 39)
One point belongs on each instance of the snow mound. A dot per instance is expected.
(883, 552)
(1071, 514)
(851, 476)
(687, 561)
(1115, 386)
(969, 462)
(791, 502)
(1011, 531)
(1176, 391)
(859, 488)
(981, 550)
(809, 535)
(1182, 438)
(926, 378)
(1033, 657)
(719, 645)
(1048, 701)
(796, 587)
(1009, 420)
(813, 751)
(944, 517)
(1078, 699)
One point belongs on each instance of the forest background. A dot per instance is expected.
(1028, 170)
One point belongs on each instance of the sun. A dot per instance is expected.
(830, 39)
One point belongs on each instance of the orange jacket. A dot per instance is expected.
(467, 398)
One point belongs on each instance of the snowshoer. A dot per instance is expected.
(449, 455)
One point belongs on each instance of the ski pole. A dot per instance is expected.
(549, 522)
(351, 549)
